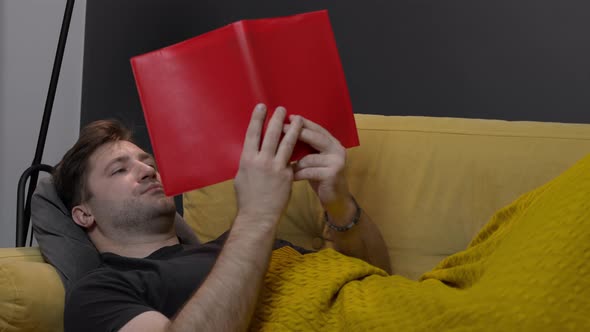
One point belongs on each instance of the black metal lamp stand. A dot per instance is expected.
(23, 206)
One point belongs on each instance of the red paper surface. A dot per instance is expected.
(198, 95)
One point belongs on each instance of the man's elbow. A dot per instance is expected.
(149, 321)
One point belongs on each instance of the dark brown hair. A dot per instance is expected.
(69, 175)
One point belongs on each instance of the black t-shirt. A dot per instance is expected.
(121, 288)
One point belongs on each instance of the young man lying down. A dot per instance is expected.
(527, 270)
(148, 280)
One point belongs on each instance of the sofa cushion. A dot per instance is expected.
(31, 295)
(428, 183)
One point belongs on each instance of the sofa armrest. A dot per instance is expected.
(24, 254)
(31, 292)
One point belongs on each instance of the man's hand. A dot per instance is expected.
(325, 170)
(264, 179)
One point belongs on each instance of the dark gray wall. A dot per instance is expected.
(502, 59)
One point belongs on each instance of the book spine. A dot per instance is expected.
(247, 50)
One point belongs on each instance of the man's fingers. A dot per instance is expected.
(254, 131)
(273, 132)
(316, 127)
(288, 142)
(317, 140)
(314, 160)
(312, 174)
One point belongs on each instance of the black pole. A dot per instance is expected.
(22, 225)
(59, 54)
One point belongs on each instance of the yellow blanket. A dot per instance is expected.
(527, 270)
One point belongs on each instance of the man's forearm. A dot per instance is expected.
(363, 241)
(227, 298)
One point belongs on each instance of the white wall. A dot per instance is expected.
(29, 31)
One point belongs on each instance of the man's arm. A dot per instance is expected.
(325, 172)
(363, 240)
(227, 298)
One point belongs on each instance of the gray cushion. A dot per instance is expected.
(64, 244)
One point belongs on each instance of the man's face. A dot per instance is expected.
(126, 195)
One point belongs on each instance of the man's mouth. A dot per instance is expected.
(153, 187)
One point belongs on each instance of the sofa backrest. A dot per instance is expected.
(428, 183)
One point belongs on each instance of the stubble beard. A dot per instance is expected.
(136, 216)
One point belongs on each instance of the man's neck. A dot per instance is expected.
(136, 247)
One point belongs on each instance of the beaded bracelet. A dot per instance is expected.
(354, 221)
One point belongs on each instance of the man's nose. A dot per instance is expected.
(146, 171)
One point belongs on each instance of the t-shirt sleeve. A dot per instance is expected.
(102, 302)
(283, 243)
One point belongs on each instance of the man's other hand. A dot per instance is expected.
(324, 170)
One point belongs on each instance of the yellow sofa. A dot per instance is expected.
(428, 183)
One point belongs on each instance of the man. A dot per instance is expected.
(150, 282)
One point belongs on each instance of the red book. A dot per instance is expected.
(198, 95)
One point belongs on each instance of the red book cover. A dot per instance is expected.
(197, 96)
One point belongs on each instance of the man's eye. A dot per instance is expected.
(120, 170)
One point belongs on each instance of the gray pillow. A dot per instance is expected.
(64, 244)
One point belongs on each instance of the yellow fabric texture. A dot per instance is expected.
(527, 270)
(31, 292)
(428, 183)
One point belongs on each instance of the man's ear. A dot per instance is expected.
(82, 216)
